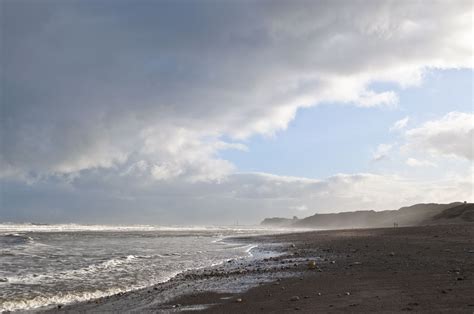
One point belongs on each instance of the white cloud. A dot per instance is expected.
(451, 136)
(400, 124)
(372, 99)
(382, 152)
(301, 208)
(413, 162)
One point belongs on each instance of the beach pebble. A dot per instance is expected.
(239, 300)
(312, 265)
(295, 298)
(348, 293)
(319, 294)
(392, 254)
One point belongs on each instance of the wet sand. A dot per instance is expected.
(421, 269)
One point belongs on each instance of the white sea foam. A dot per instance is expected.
(23, 304)
(61, 298)
(73, 273)
(31, 227)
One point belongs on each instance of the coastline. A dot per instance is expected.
(421, 269)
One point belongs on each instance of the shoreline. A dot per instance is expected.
(423, 269)
(181, 283)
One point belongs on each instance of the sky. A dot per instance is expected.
(213, 112)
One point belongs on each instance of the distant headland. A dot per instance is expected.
(418, 214)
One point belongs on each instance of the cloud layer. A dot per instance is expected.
(93, 84)
(115, 108)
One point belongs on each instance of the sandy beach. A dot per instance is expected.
(421, 269)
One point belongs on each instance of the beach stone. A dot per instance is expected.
(392, 254)
(348, 293)
(295, 298)
(311, 264)
(239, 300)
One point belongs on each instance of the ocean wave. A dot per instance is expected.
(34, 227)
(74, 273)
(62, 298)
(38, 302)
(14, 239)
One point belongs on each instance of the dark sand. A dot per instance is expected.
(420, 269)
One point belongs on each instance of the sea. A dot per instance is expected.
(46, 265)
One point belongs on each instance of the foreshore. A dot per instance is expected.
(422, 269)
